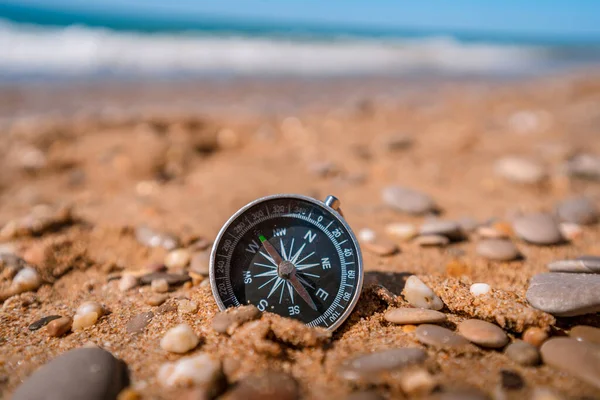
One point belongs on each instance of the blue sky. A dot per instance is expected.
(545, 18)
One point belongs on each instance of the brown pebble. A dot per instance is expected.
(438, 336)
(535, 336)
(129, 394)
(200, 263)
(172, 279)
(587, 334)
(59, 327)
(227, 321)
(139, 322)
(40, 323)
(483, 333)
(266, 386)
(404, 316)
(157, 299)
(432, 241)
(579, 359)
(381, 247)
(523, 353)
(511, 380)
(166, 308)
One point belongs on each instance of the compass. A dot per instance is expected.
(291, 255)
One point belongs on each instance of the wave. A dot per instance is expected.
(79, 50)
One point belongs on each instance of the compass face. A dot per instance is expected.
(290, 255)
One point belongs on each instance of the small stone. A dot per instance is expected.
(417, 382)
(585, 165)
(160, 285)
(87, 314)
(40, 323)
(578, 210)
(201, 370)
(433, 335)
(369, 366)
(511, 380)
(420, 295)
(397, 142)
(26, 280)
(200, 263)
(587, 334)
(172, 279)
(179, 339)
(520, 170)
(84, 373)
(381, 247)
(432, 241)
(401, 231)
(407, 200)
(151, 238)
(497, 249)
(479, 289)
(523, 353)
(157, 299)
(139, 322)
(576, 358)
(570, 231)
(404, 316)
(187, 306)
(540, 229)
(488, 232)
(366, 235)
(59, 326)
(449, 229)
(581, 264)
(483, 333)
(564, 294)
(177, 259)
(127, 282)
(535, 336)
(228, 321)
(265, 386)
(468, 224)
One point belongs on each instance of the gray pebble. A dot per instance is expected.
(84, 373)
(437, 336)
(151, 238)
(407, 200)
(523, 353)
(585, 166)
(404, 316)
(432, 241)
(369, 366)
(449, 229)
(498, 250)
(200, 263)
(538, 228)
(576, 358)
(589, 264)
(588, 334)
(578, 210)
(564, 294)
(40, 323)
(172, 279)
(520, 170)
(139, 322)
(483, 333)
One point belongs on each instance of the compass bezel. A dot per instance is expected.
(334, 213)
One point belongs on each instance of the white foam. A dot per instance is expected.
(82, 50)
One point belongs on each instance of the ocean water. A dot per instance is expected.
(49, 46)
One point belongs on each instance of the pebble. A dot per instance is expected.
(570, 231)
(585, 166)
(26, 280)
(151, 238)
(83, 373)
(539, 228)
(520, 170)
(269, 385)
(478, 289)
(587, 334)
(407, 200)
(370, 365)
(179, 339)
(576, 358)
(160, 285)
(417, 382)
(489, 232)
(511, 380)
(535, 336)
(405, 316)
(468, 224)
(497, 250)
(157, 299)
(381, 247)
(227, 321)
(578, 210)
(87, 314)
(172, 279)
(483, 333)
(202, 370)
(200, 263)
(127, 282)
(139, 322)
(438, 336)
(366, 235)
(523, 353)
(59, 326)
(449, 229)
(40, 323)
(565, 295)
(401, 231)
(420, 295)
(177, 259)
(432, 241)
(187, 306)
(581, 264)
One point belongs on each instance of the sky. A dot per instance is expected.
(577, 18)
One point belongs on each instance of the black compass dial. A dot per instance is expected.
(290, 255)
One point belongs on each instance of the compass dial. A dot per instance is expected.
(290, 255)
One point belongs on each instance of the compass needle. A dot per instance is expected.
(302, 292)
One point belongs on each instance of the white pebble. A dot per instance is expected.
(570, 231)
(26, 279)
(187, 306)
(127, 282)
(90, 306)
(179, 339)
(401, 230)
(177, 259)
(420, 295)
(366, 235)
(477, 289)
(87, 314)
(160, 285)
(199, 370)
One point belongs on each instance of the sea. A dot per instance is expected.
(38, 44)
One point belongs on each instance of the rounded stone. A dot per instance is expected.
(523, 353)
(227, 321)
(204, 371)
(483, 333)
(381, 247)
(579, 359)
(137, 323)
(578, 210)
(520, 170)
(587, 334)
(265, 386)
(177, 259)
(432, 241)
(438, 336)
(401, 231)
(405, 316)
(539, 228)
(179, 339)
(580, 264)
(407, 200)
(59, 326)
(479, 289)
(200, 263)
(418, 294)
(449, 229)
(564, 294)
(84, 373)
(497, 249)
(535, 336)
(369, 366)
